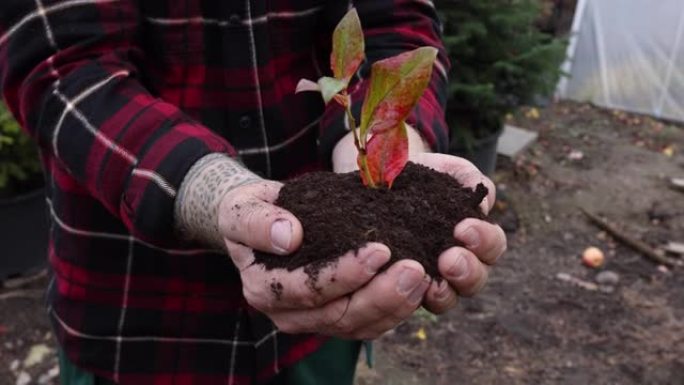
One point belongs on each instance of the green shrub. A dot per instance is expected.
(500, 61)
(19, 163)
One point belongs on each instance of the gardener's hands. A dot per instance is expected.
(464, 269)
(349, 299)
(222, 204)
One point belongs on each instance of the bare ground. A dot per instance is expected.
(528, 326)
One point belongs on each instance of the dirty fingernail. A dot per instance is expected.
(417, 294)
(470, 237)
(442, 291)
(375, 261)
(281, 235)
(459, 268)
(409, 279)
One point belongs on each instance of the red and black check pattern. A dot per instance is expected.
(123, 97)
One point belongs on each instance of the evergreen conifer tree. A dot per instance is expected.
(500, 61)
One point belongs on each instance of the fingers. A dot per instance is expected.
(385, 301)
(371, 311)
(353, 271)
(279, 289)
(486, 240)
(247, 216)
(440, 297)
(463, 274)
(463, 271)
(462, 170)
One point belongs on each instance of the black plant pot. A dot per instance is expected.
(23, 234)
(482, 152)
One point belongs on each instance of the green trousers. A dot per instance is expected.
(333, 364)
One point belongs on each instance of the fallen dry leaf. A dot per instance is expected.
(532, 113)
(36, 355)
(420, 334)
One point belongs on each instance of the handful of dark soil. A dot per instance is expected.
(415, 218)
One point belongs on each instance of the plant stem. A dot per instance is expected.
(361, 147)
(363, 165)
(352, 121)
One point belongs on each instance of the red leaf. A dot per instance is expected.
(348, 47)
(396, 85)
(343, 100)
(386, 156)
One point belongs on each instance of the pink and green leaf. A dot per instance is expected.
(348, 47)
(396, 85)
(386, 156)
(345, 59)
(306, 85)
(329, 88)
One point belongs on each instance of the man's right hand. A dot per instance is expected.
(351, 301)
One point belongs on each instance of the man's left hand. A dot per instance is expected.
(464, 269)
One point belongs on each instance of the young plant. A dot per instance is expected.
(396, 85)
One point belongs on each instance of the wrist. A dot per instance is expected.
(197, 205)
(344, 155)
(417, 144)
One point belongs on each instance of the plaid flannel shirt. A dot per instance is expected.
(123, 97)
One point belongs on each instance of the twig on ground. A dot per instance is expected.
(28, 294)
(635, 244)
(577, 282)
(15, 283)
(677, 184)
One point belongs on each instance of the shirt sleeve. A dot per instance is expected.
(391, 28)
(69, 73)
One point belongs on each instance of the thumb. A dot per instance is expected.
(248, 216)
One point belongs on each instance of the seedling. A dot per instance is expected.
(395, 86)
